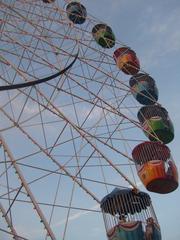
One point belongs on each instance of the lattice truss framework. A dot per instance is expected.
(67, 142)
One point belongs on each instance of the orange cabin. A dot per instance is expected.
(127, 60)
(155, 167)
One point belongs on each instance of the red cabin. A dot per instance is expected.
(127, 60)
(155, 167)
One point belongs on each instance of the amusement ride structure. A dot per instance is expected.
(76, 112)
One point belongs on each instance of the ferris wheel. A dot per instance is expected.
(76, 113)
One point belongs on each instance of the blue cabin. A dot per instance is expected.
(76, 12)
(144, 89)
(129, 215)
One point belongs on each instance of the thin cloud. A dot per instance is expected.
(76, 216)
(160, 36)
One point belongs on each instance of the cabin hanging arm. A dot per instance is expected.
(42, 80)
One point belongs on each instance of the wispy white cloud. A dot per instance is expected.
(29, 233)
(158, 30)
(76, 216)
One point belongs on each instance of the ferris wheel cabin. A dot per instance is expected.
(103, 35)
(127, 60)
(144, 89)
(156, 123)
(76, 12)
(155, 167)
(129, 216)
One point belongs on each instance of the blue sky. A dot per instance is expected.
(151, 29)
